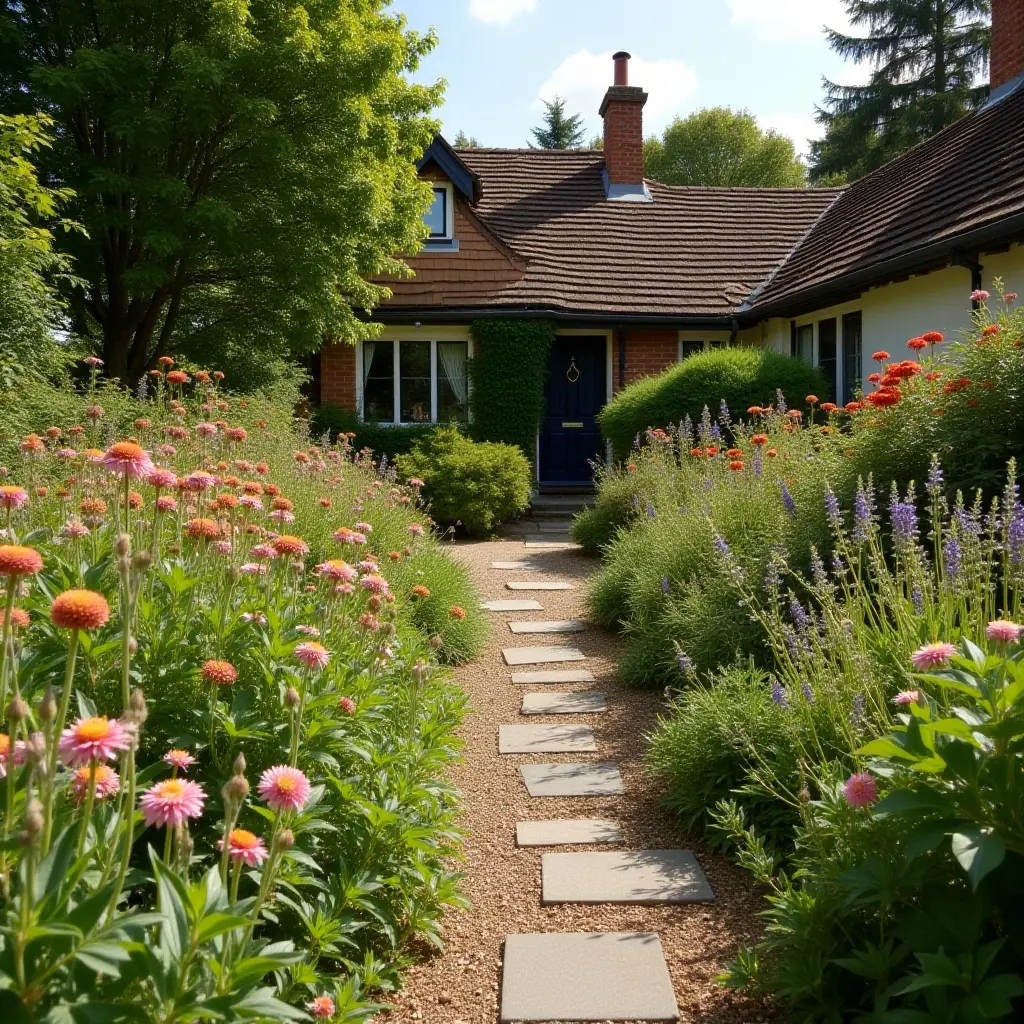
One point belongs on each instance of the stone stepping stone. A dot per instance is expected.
(548, 626)
(567, 832)
(545, 739)
(593, 779)
(557, 545)
(539, 655)
(555, 527)
(512, 606)
(625, 876)
(538, 586)
(558, 675)
(584, 702)
(513, 565)
(586, 976)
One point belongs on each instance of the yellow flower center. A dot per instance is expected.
(243, 839)
(93, 729)
(171, 789)
(286, 784)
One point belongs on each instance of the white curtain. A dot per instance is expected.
(369, 347)
(453, 358)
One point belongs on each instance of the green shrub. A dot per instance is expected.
(739, 377)
(382, 440)
(477, 485)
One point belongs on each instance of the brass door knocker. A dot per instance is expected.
(573, 373)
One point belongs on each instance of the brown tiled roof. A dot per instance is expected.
(692, 252)
(967, 179)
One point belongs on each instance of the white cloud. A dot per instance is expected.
(789, 19)
(798, 127)
(500, 11)
(583, 77)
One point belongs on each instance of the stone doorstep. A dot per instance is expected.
(625, 876)
(513, 565)
(558, 675)
(538, 586)
(546, 739)
(555, 545)
(594, 778)
(567, 832)
(586, 976)
(540, 655)
(557, 526)
(512, 606)
(548, 626)
(583, 702)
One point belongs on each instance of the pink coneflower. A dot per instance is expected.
(172, 802)
(245, 846)
(336, 569)
(368, 565)
(346, 536)
(375, 584)
(180, 759)
(108, 782)
(98, 738)
(1003, 631)
(252, 569)
(905, 697)
(263, 551)
(416, 482)
(206, 429)
(932, 656)
(74, 529)
(197, 481)
(258, 617)
(979, 295)
(307, 630)
(251, 501)
(284, 788)
(364, 527)
(415, 529)
(162, 478)
(12, 496)
(166, 503)
(312, 654)
(67, 454)
(222, 547)
(860, 790)
(128, 459)
(347, 705)
(321, 1008)
(282, 515)
(168, 450)
(93, 361)
(344, 588)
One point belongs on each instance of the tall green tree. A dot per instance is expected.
(719, 146)
(926, 56)
(464, 141)
(557, 129)
(30, 308)
(241, 168)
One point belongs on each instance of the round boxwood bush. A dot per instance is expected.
(476, 485)
(740, 377)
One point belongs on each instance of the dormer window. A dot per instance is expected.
(440, 220)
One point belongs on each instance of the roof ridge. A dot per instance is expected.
(527, 149)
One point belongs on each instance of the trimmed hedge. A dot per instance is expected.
(740, 377)
(389, 441)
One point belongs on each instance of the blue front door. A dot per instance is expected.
(569, 438)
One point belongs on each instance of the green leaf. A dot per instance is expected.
(262, 1002)
(103, 957)
(55, 866)
(910, 801)
(978, 852)
(217, 924)
(172, 900)
(86, 706)
(886, 747)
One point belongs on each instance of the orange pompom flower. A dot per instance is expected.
(220, 673)
(880, 356)
(16, 560)
(80, 609)
(289, 545)
(203, 528)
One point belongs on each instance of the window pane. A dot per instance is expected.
(437, 215)
(414, 369)
(716, 344)
(378, 381)
(827, 354)
(452, 390)
(851, 355)
(805, 342)
(691, 347)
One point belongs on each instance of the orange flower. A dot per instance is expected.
(759, 439)
(93, 507)
(795, 414)
(165, 361)
(177, 377)
(990, 330)
(204, 528)
(880, 356)
(734, 453)
(420, 591)
(16, 560)
(755, 410)
(456, 612)
(853, 406)
(226, 501)
(829, 407)
(220, 673)
(811, 399)
(735, 465)
(79, 609)
(325, 502)
(932, 337)
(712, 451)
(284, 504)
(960, 384)
(288, 545)
(19, 618)
(696, 452)
(772, 452)
(917, 344)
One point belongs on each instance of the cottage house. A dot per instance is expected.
(637, 275)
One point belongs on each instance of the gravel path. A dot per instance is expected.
(461, 985)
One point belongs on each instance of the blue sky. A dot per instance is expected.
(500, 57)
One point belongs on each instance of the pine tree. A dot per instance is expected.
(464, 141)
(559, 130)
(925, 57)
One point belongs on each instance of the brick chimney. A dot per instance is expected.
(1007, 60)
(622, 110)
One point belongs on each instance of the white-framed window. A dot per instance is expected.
(440, 218)
(691, 346)
(415, 381)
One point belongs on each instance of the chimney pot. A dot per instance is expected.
(1007, 57)
(621, 60)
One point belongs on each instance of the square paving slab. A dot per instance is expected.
(545, 739)
(627, 876)
(539, 655)
(537, 585)
(593, 779)
(557, 675)
(557, 526)
(513, 565)
(586, 702)
(586, 976)
(567, 832)
(512, 606)
(557, 545)
(550, 626)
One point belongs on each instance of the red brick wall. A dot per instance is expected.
(648, 352)
(1007, 41)
(338, 375)
(624, 142)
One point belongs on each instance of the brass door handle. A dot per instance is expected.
(575, 426)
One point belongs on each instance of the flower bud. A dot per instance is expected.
(436, 642)
(34, 820)
(137, 709)
(420, 671)
(17, 710)
(186, 846)
(124, 566)
(48, 706)
(291, 697)
(389, 629)
(133, 645)
(35, 749)
(285, 839)
(804, 795)
(239, 766)
(141, 561)
(123, 545)
(374, 603)
(236, 789)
